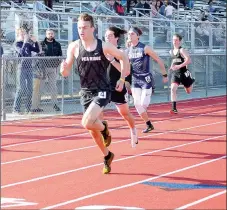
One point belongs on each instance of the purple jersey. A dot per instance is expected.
(140, 67)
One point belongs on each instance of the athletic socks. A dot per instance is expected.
(174, 105)
(148, 123)
(108, 156)
(133, 131)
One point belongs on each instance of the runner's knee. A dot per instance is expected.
(140, 109)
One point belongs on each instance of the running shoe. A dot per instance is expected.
(173, 111)
(107, 162)
(148, 129)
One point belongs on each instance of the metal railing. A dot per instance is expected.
(157, 32)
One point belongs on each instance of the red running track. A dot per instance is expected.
(54, 164)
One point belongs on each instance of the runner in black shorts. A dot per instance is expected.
(180, 73)
(112, 35)
(92, 65)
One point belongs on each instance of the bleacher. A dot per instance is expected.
(58, 17)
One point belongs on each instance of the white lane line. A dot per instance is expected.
(201, 200)
(98, 164)
(70, 115)
(86, 133)
(92, 146)
(40, 129)
(131, 184)
(52, 127)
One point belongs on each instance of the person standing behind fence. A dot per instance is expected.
(24, 74)
(39, 74)
(169, 10)
(51, 47)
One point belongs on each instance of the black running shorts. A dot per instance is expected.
(183, 78)
(101, 98)
(119, 97)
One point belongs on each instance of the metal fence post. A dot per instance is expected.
(2, 65)
(207, 74)
(192, 37)
(62, 94)
(151, 35)
(168, 89)
(100, 28)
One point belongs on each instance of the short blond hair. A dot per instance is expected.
(87, 17)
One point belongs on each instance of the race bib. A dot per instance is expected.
(102, 95)
(188, 74)
(148, 79)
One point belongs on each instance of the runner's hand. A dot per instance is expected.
(119, 86)
(63, 69)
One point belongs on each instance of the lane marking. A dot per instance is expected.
(15, 202)
(131, 184)
(40, 129)
(92, 146)
(53, 127)
(201, 200)
(98, 164)
(86, 133)
(223, 97)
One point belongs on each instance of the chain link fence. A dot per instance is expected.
(33, 87)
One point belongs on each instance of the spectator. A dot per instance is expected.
(119, 9)
(158, 6)
(144, 6)
(50, 48)
(106, 8)
(130, 4)
(211, 9)
(39, 74)
(169, 11)
(154, 11)
(204, 28)
(25, 74)
(162, 8)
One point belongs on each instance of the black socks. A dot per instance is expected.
(108, 156)
(174, 105)
(148, 123)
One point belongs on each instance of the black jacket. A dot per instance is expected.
(56, 47)
(56, 51)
